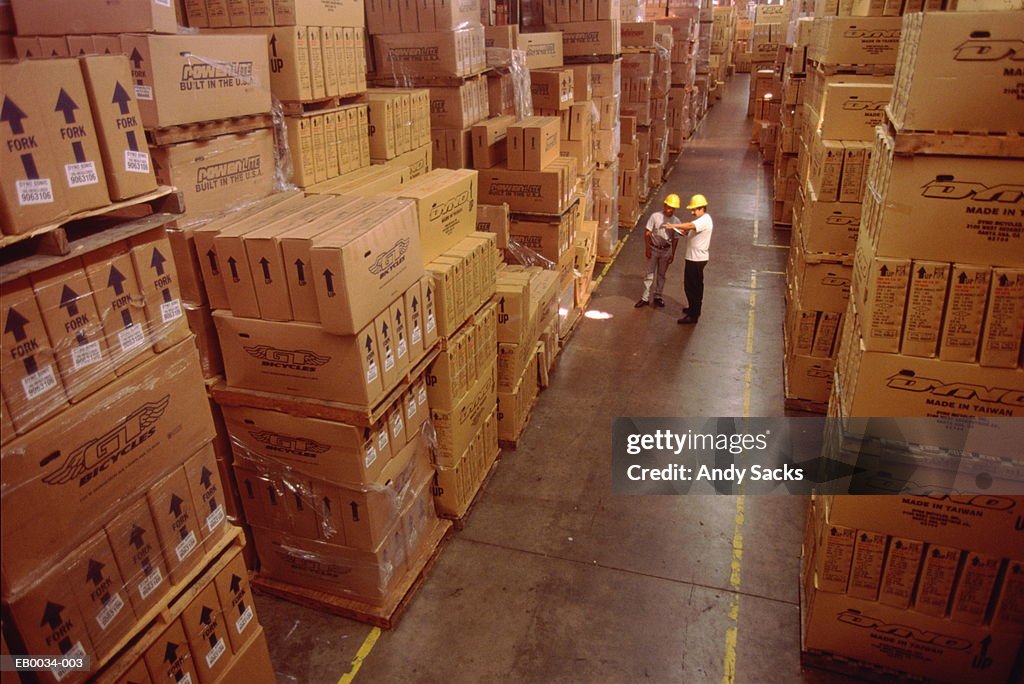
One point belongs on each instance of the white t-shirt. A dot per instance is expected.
(698, 242)
(661, 237)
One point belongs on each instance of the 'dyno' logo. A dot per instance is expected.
(982, 50)
(295, 445)
(391, 258)
(99, 453)
(291, 357)
(948, 187)
(909, 381)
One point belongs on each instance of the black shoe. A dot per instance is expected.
(686, 310)
(687, 320)
(659, 303)
(642, 302)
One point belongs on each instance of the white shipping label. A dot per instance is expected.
(40, 382)
(410, 408)
(81, 174)
(34, 191)
(86, 355)
(243, 621)
(417, 334)
(170, 311)
(430, 321)
(131, 337)
(215, 519)
(389, 360)
(143, 92)
(136, 162)
(148, 585)
(403, 348)
(186, 546)
(382, 440)
(110, 610)
(162, 3)
(422, 395)
(76, 653)
(215, 653)
(370, 457)
(371, 372)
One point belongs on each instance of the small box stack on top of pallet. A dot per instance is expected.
(791, 124)
(741, 46)
(934, 328)
(848, 83)
(721, 59)
(682, 112)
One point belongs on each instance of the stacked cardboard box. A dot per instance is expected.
(934, 328)
(100, 356)
(686, 102)
(741, 48)
(790, 125)
(840, 110)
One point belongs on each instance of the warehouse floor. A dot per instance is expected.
(555, 579)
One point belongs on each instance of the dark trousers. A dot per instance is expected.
(693, 285)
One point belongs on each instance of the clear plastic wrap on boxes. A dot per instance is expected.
(510, 62)
(632, 10)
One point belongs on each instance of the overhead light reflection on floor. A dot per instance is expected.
(598, 315)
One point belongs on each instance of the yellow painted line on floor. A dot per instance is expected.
(757, 217)
(615, 255)
(361, 655)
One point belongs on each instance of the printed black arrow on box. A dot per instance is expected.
(68, 106)
(329, 281)
(69, 300)
(272, 494)
(121, 99)
(369, 350)
(136, 540)
(273, 44)
(884, 271)
(963, 277)
(300, 271)
(136, 59)
(415, 307)
(1004, 280)
(14, 116)
(157, 263)
(233, 266)
(206, 480)
(401, 328)
(171, 657)
(52, 619)
(15, 325)
(116, 280)
(265, 263)
(355, 511)
(212, 256)
(206, 618)
(982, 661)
(94, 574)
(175, 510)
(236, 588)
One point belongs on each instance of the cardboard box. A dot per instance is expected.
(208, 495)
(543, 50)
(457, 428)
(1004, 320)
(218, 13)
(134, 540)
(589, 37)
(445, 202)
(965, 49)
(430, 313)
(1009, 610)
(851, 111)
(526, 191)
(170, 658)
(849, 40)
(638, 34)
(366, 264)
(290, 77)
(866, 571)
(30, 379)
(552, 88)
(925, 300)
(177, 527)
(900, 575)
(100, 588)
(538, 141)
(118, 122)
(458, 107)
(881, 299)
(206, 633)
(319, 13)
(855, 162)
(501, 37)
(835, 557)
(965, 310)
(974, 589)
(826, 168)
(188, 78)
(514, 407)
(32, 188)
(218, 172)
(490, 141)
(158, 284)
(823, 280)
(272, 500)
(938, 572)
(456, 53)
(232, 584)
(120, 305)
(65, 17)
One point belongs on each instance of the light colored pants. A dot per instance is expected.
(657, 267)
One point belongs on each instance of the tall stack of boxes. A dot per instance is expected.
(741, 46)
(786, 176)
(840, 111)
(722, 43)
(685, 103)
(934, 328)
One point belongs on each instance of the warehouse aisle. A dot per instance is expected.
(555, 579)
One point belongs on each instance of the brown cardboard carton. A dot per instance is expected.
(187, 78)
(115, 112)
(275, 499)
(543, 50)
(218, 172)
(170, 658)
(525, 191)
(974, 588)
(849, 40)
(458, 107)
(120, 305)
(826, 168)
(965, 310)
(363, 266)
(502, 37)
(332, 84)
(206, 633)
(300, 359)
(541, 142)
(236, 602)
(459, 148)
(300, 145)
(30, 378)
(239, 13)
(107, 45)
(218, 13)
(456, 53)
(589, 37)
(290, 77)
(32, 187)
(63, 17)
(70, 125)
(494, 219)
(177, 528)
(935, 587)
(158, 284)
(62, 482)
(136, 547)
(400, 333)
(552, 89)
(100, 589)
(69, 312)
(900, 575)
(319, 139)
(456, 428)
(881, 298)
(446, 207)
(835, 555)
(826, 226)
(26, 47)
(316, 62)
(489, 141)
(925, 300)
(196, 15)
(855, 159)
(1009, 608)
(1004, 320)
(638, 34)
(414, 305)
(850, 111)
(430, 313)
(866, 571)
(319, 13)
(208, 495)
(826, 334)
(383, 122)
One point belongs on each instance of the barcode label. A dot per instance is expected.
(131, 337)
(76, 653)
(110, 611)
(215, 519)
(40, 382)
(148, 585)
(163, 3)
(397, 425)
(34, 191)
(86, 355)
(371, 373)
(403, 348)
(371, 456)
(187, 679)
(170, 311)
(382, 440)
(81, 174)
(136, 162)
(421, 396)
(215, 653)
(430, 322)
(410, 409)
(243, 621)
(143, 92)
(417, 333)
(186, 546)
(389, 361)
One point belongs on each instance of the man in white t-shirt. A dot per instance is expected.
(660, 243)
(698, 240)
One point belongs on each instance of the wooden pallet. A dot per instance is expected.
(208, 129)
(853, 69)
(76, 235)
(857, 669)
(149, 627)
(459, 521)
(321, 105)
(351, 414)
(513, 444)
(419, 81)
(805, 405)
(956, 143)
(614, 255)
(385, 616)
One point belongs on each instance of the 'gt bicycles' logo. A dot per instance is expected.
(948, 187)
(299, 446)
(988, 50)
(291, 359)
(390, 260)
(99, 453)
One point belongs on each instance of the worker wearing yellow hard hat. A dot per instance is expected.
(660, 243)
(698, 242)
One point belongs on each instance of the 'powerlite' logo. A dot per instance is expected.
(921, 636)
(390, 260)
(98, 454)
(988, 50)
(289, 359)
(212, 71)
(908, 381)
(298, 446)
(948, 187)
(228, 169)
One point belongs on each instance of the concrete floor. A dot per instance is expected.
(555, 579)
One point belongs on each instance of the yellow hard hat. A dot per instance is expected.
(672, 201)
(697, 201)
